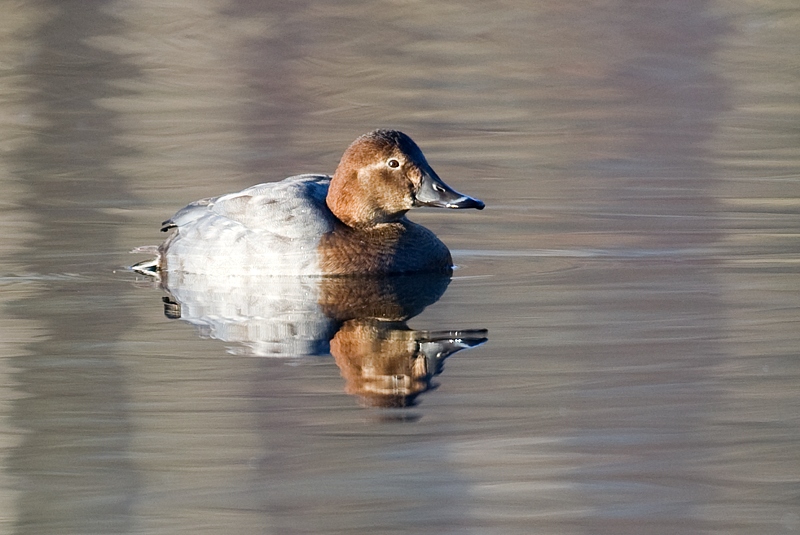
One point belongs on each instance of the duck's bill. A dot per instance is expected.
(434, 192)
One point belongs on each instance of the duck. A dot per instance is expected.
(351, 223)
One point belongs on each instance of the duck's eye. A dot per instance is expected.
(394, 164)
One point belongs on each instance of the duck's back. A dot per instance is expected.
(272, 227)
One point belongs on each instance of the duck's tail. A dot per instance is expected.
(147, 267)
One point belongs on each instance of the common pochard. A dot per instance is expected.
(352, 223)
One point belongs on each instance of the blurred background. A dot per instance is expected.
(636, 266)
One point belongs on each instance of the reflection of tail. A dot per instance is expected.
(172, 309)
(147, 267)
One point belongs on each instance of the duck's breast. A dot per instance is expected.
(396, 248)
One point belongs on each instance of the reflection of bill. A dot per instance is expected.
(359, 320)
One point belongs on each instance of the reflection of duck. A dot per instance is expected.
(360, 320)
(293, 316)
(351, 223)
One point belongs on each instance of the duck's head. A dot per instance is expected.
(384, 174)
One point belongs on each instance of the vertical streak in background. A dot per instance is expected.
(657, 194)
(72, 400)
(17, 229)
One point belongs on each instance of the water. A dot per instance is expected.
(636, 268)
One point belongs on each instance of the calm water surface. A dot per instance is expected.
(636, 270)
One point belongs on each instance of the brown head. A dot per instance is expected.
(384, 174)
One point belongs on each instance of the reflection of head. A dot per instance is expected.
(388, 365)
(381, 362)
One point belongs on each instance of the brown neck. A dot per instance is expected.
(339, 201)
